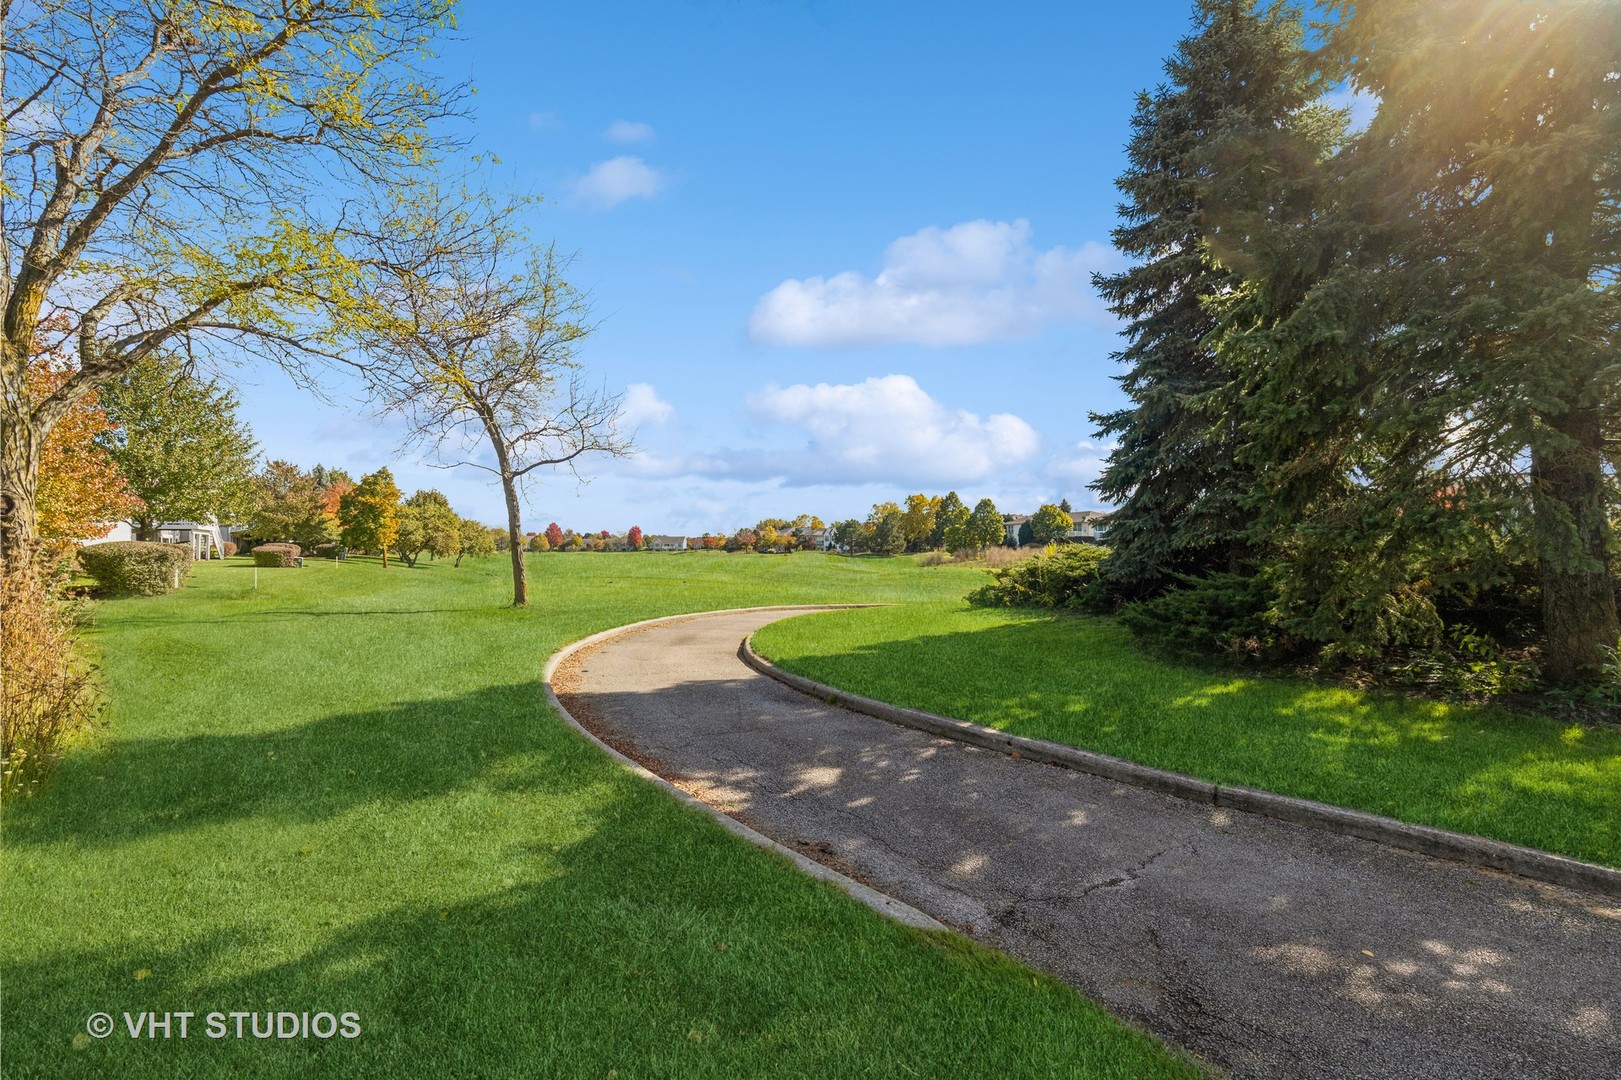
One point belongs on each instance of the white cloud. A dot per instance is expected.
(628, 131)
(544, 121)
(886, 431)
(1082, 463)
(642, 405)
(974, 282)
(1362, 103)
(611, 182)
(882, 429)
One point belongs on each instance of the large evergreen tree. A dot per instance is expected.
(1239, 80)
(1500, 131)
(1444, 396)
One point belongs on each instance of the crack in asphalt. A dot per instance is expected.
(1267, 949)
(1131, 875)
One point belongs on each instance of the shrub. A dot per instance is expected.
(229, 549)
(1057, 578)
(1227, 613)
(47, 696)
(137, 567)
(1466, 665)
(327, 550)
(276, 554)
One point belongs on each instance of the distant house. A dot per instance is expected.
(664, 543)
(207, 539)
(1089, 526)
(1012, 523)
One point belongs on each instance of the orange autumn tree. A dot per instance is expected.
(81, 493)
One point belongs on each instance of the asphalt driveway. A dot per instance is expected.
(1269, 949)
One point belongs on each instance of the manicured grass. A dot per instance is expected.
(344, 792)
(1081, 681)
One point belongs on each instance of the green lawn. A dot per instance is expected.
(1081, 681)
(343, 792)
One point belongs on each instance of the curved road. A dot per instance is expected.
(1269, 949)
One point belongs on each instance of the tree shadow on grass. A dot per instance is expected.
(167, 621)
(498, 738)
(653, 944)
(1515, 777)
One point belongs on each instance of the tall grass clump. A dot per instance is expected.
(48, 694)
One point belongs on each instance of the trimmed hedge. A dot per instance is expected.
(137, 567)
(276, 554)
(325, 551)
(229, 549)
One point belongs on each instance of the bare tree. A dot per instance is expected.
(168, 179)
(482, 350)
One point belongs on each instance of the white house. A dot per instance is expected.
(207, 539)
(664, 543)
(1088, 526)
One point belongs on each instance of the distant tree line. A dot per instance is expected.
(323, 509)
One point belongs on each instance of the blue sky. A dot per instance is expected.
(840, 249)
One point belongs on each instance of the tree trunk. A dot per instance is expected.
(19, 482)
(509, 489)
(520, 585)
(146, 529)
(1578, 592)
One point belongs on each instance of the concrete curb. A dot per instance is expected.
(1439, 843)
(879, 902)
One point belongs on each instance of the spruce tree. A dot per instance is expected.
(1240, 78)
(1444, 396)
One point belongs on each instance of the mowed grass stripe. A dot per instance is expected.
(1081, 681)
(342, 791)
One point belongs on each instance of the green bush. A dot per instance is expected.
(276, 554)
(1059, 577)
(1468, 666)
(1219, 613)
(137, 567)
(326, 550)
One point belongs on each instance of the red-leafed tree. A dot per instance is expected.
(634, 538)
(554, 535)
